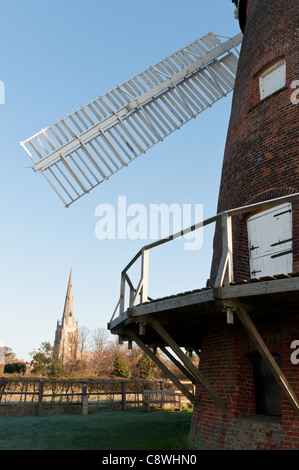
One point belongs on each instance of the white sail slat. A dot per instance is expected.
(85, 148)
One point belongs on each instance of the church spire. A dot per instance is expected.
(68, 312)
(66, 335)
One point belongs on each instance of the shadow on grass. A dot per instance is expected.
(104, 430)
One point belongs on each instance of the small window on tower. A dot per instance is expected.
(273, 79)
(267, 391)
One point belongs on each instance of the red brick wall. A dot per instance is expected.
(261, 157)
(261, 162)
(226, 363)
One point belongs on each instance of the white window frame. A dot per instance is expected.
(273, 79)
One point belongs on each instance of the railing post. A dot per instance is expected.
(40, 397)
(144, 276)
(225, 271)
(122, 293)
(229, 241)
(84, 400)
(132, 296)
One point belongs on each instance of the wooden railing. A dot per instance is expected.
(43, 394)
(225, 272)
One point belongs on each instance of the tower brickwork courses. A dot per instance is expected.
(261, 163)
(261, 157)
(66, 336)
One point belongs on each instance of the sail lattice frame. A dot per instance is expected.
(88, 146)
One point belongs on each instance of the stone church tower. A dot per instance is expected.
(66, 336)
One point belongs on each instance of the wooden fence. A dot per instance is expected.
(45, 396)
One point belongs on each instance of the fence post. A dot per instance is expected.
(163, 393)
(40, 397)
(123, 395)
(84, 400)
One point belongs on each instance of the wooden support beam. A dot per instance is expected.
(267, 356)
(225, 271)
(188, 375)
(192, 368)
(137, 293)
(142, 329)
(162, 366)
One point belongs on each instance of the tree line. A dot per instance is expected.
(98, 355)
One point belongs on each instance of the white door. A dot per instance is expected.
(270, 241)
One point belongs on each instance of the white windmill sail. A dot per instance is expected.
(88, 146)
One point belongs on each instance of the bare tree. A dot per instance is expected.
(100, 357)
(9, 355)
(84, 341)
(100, 340)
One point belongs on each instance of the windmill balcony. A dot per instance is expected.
(224, 283)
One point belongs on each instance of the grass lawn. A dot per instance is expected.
(104, 430)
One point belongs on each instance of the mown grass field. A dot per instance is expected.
(103, 430)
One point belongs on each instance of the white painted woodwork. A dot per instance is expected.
(273, 79)
(270, 241)
(225, 271)
(88, 146)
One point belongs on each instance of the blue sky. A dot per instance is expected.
(55, 57)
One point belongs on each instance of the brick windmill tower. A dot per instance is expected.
(261, 157)
(260, 164)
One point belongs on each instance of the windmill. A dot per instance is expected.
(242, 326)
(88, 146)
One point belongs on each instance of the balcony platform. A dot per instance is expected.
(182, 320)
(186, 315)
